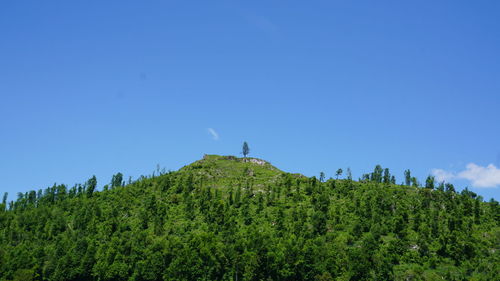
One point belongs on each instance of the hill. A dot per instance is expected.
(220, 171)
(229, 218)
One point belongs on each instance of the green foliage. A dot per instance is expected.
(338, 173)
(245, 149)
(91, 186)
(4, 199)
(321, 176)
(429, 182)
(376, 176)
(407, 177)
(117, 180)
(228, 218)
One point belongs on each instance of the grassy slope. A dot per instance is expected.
(220, 171)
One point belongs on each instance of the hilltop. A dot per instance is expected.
(229, 218)
(220, 171)
(216, 166)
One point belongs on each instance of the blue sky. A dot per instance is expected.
(97, 87)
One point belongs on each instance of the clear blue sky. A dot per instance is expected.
(97, 87)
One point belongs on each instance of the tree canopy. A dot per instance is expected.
(223, 218)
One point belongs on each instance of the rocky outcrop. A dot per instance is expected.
(255, 161)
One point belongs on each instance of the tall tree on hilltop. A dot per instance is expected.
(4, 201)
(338, 173)
(387, 175)
(407, 177)
(449, 188)
(246, 149)
(429, 182)
(117, 180)
(376, 176)
(91, 185)
(414, 182)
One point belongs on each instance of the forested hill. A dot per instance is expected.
(228, 218)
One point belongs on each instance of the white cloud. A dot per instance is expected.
(214, 134)
(488, 176)
(442, 175)
(479, 176)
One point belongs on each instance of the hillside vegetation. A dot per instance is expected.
(228, 218)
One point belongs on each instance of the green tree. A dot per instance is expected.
(246, 149)
(429, 182)
(338, 173)
(407, 177)
(117, 180)
(449, 188)
(387, 176)
(91, 185)
(3, 207)
(376, 176)
(440, 186)
(414, 182)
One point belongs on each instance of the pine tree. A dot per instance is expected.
(91, 185)
(429, 182)
(407, 177)
(117, 180)
(387, 176)
(246, 149)
(339, 172)
(376, 176)
(414, 182)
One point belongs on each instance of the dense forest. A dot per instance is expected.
(228, 218)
